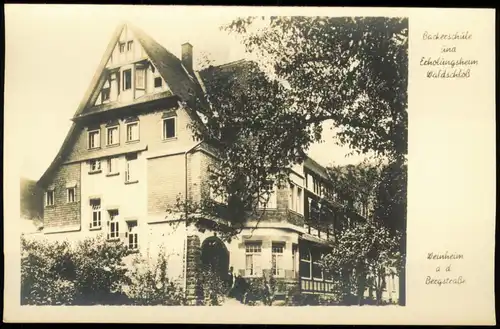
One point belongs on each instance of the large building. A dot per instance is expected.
(130, 154)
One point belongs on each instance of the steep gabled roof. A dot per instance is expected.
(182, 83)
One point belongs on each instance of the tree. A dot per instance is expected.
(357, 185)
(351, 70)
(361, 251)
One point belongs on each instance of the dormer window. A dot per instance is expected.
(127, 79)
(94, 139)
(122, 47)
(140, 78)
(130, 46)
(105, 92)
(113, 137)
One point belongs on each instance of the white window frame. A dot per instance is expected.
(97, 132)
(47, 193)
(299, 200)
(129, 125)
(112, 166)
(114, 224)
(143, 70)
(277, 252)
(254, 250)
(111, 128)
(272, 202)
(296, 201)
(130, 178)
(132, 233)
(68, 199)
(98, 166)
(96, 219)
(124, 45)
(164, 130)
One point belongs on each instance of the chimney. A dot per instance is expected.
(187, 56)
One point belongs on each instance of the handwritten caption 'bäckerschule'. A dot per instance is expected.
(448, 64)
(444, 270)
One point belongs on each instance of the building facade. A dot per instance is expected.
(130, 155)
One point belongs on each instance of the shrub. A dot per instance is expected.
(213, 288)
(44, 278)
(55, 273)
(262, 290)
(150, 284)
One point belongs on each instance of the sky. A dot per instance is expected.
(52, 53)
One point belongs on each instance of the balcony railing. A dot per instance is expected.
(315, 286)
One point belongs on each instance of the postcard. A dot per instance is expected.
(253, 165)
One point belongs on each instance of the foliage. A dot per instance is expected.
(350, 70)
(99, 270)
(357, 185)
(364, 249)
(92, 272)
(213, 288)
(42, 281)
(150, 284)
(262, 290)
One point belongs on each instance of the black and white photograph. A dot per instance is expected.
(179, 159)
(190, 178)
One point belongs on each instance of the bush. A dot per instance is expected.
(262, 290)
(213, 288)
(55, 273)
(44, 279)
(150, 284)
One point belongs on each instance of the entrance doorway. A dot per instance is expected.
(215, 256)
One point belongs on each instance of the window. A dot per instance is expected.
(309, 181)
(253, 251)
(168, 128)
(95, 166)
(94, 139)
(305, 263)
(113, 137)
(114, 225)
(112, 166)
(105, 94)
(49, 198)
(130, 171)
(317, 271)
(95, 205)
(133, 131)
(127, 79)
(294, 263)
(295, 199)
(158, 82)
(122, 47)
(271, 199)
(277, 259)
(132, 235)
(71, 194)
(140, 78)
(130, 46)
(299, 203)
